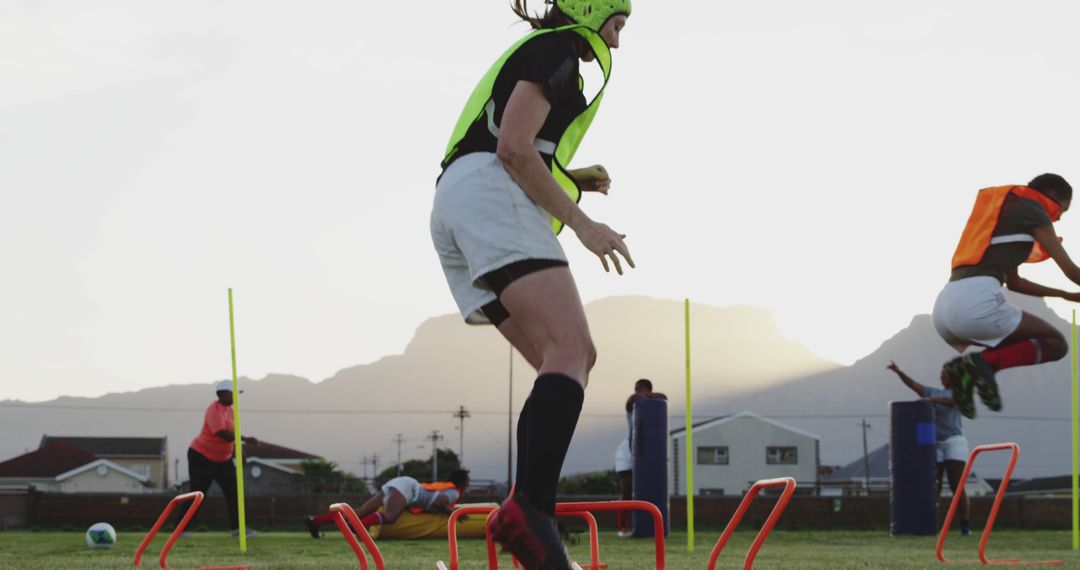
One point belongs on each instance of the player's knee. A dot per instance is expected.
(390, 518)
(590, 354)
(577, 351)
(1054, 348)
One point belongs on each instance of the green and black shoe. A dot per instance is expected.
(985, 381)
(962, 382)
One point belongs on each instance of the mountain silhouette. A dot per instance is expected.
(740, 362)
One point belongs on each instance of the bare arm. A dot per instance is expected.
(911, 383)
(525, 113)
(228, 435)
(1020, 285)
(1049, 241)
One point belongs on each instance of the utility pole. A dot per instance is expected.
(461, 414)
(399, 440)
(866, 455)
(374, 467)
(510, 428)
(434, 437)
(364, 462)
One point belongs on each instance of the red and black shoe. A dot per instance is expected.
(529, 535)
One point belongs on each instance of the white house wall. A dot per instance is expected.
(746, 438)
(91, 482)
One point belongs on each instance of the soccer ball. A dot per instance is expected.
(101, 535)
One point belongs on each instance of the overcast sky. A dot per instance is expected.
(817, 159)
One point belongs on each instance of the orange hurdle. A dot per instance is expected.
(580, 509)
(343, 512)
(451, 534)
(788, 483)
(197, 498)
(993, 510)
(493, 562)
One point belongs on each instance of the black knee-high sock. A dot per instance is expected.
(522, 445)
(554, 407)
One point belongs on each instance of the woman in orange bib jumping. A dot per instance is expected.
(1009, 225)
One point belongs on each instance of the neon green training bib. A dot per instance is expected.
(480, 103)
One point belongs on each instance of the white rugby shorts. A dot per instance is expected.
(407, 486)
(481, 221)
(975, 311)
(953, 448)
(624, 458)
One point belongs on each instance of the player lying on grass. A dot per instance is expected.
(402, 493)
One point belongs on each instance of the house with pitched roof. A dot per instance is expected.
(147, 456)
(269, 469)
(61, 467)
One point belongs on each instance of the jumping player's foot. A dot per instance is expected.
(309, 522)
(984, 380)
(963, 386)
(529, 535)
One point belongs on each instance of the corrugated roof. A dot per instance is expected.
(113, 446)
(50, 460)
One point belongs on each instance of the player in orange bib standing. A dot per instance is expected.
(1009, 225)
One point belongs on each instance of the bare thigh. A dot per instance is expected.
(955, 470)
(513, 333)
(546, 307)
(371, 505)
(395, 505)
(1033, 327)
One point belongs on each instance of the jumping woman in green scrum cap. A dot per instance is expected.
(506, 190)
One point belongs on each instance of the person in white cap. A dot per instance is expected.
(210, 455)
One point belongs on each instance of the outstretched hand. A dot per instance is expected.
(892, 366)
(593, 178)
(606, 243)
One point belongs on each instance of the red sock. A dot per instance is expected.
(371, 520)
(325, 518)
(1023, 353)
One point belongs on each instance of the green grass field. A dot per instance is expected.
(797, 549)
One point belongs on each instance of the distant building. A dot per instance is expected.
(851, 478)
(732, 452)
(64, 468)
(270, 469)
(144, 455)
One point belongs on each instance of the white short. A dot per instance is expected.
(406, 486)
(953, 448)
(624, 458)
(975, 311)
(481, 221)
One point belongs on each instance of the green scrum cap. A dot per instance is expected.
(593, 13)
